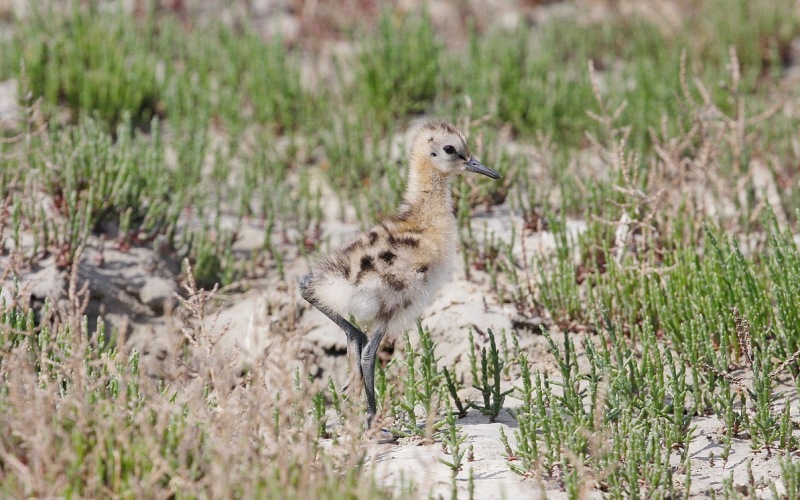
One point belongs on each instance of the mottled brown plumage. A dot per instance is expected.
(386, 276)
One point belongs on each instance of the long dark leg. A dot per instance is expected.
(356, 339)
(369, 356)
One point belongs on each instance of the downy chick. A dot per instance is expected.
(386, 276)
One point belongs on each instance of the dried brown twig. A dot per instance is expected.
(196, 333)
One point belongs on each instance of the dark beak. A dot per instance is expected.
(474, 165)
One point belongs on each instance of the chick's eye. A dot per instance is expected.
(449, 149)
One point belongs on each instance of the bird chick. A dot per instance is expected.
(386, 276)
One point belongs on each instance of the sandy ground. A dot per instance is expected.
(319, 346)
(134, 291)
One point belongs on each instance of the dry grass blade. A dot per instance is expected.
(791, 359)
(199, 334)
(744, 336)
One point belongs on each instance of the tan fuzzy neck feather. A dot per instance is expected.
(428, 190)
